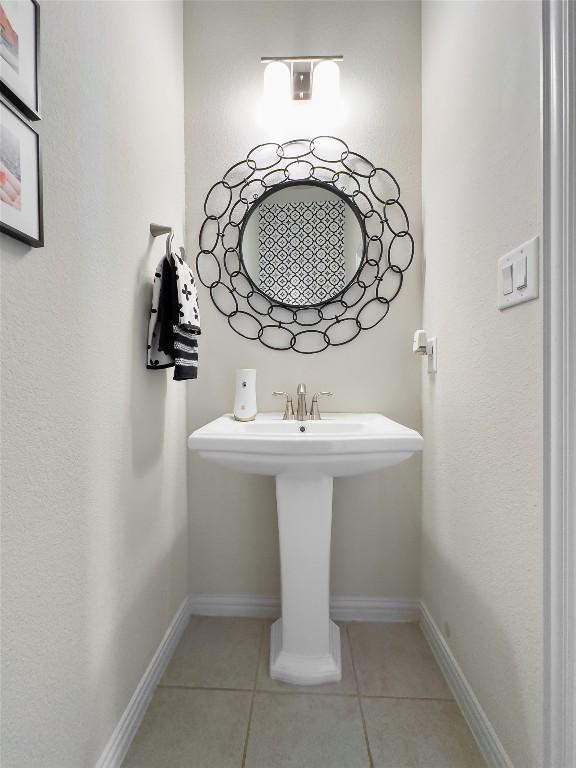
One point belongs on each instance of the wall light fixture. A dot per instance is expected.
(301, 78)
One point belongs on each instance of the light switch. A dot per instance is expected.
(520, 273)
(518, 279)
(507, 279)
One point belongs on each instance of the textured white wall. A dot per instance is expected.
(233, 540)
(482, 553)
(94, 551)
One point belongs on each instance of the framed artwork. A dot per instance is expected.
(20, 179)
(19, 44)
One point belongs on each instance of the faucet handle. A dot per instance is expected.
(288, 410)
(314, 409)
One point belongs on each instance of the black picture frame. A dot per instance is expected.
(31, 111)
(24, 237)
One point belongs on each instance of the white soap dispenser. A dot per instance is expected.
(245, 408)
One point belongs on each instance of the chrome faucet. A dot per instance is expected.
(301, 413)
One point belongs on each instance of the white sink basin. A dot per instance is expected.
(340, 444)
(305, 457)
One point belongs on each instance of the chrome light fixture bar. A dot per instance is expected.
(301, 71)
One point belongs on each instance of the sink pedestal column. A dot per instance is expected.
(305, 644)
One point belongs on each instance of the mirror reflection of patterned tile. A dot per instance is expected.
(301, 250)
(302, 244)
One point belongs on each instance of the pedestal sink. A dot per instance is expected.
(305, 457)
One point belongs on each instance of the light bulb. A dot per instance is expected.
(326, 82)
(276, 83)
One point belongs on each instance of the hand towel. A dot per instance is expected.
(174, 324)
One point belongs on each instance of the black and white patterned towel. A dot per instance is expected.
(174, 324)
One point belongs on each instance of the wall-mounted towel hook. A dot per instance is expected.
(161, 229)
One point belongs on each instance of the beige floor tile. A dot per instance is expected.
(192, 729)
(419, 734)
(306, 731)
(346, 685)
(395, 660)
(217, 653)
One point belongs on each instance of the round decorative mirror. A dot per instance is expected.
(304, 244)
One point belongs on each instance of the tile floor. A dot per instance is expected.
(217, 707)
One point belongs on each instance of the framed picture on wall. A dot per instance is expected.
(20, 179)
(19, 43)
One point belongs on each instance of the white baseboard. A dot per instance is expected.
(387, 609)
(117, 747)
(243, 606)
(489, 743)
(341, 608)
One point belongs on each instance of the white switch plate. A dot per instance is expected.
(529, 251)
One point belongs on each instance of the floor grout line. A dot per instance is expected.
(359, 698)
(260, 649)
(301, 691)
(370, 696)
(224, 689)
